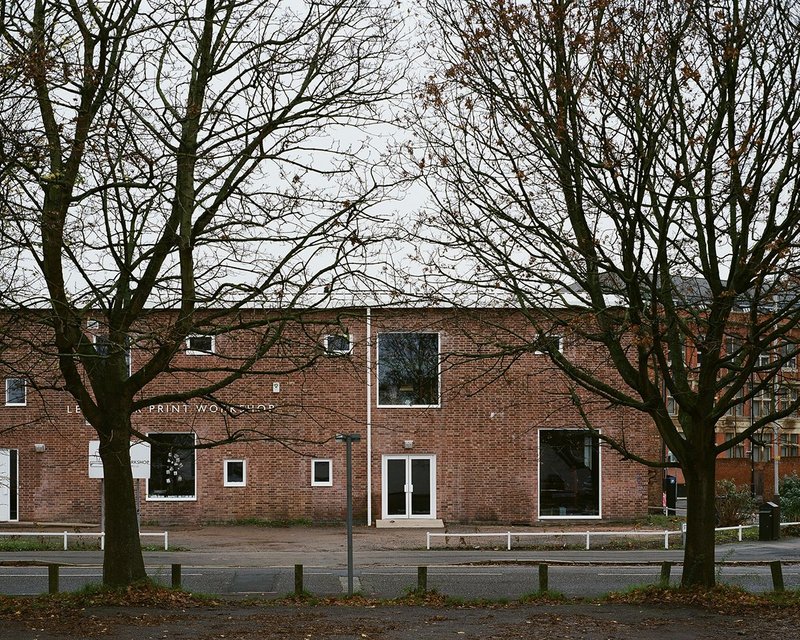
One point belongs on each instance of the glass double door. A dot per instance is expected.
(409, 486)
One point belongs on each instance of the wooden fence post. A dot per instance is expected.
(666, 569)
(777, 575)
(422, 579)
(176, 576)
(52, 578)
(543, 578)
(298, 579)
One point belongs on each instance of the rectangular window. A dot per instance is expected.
(790, 445)
(737, 450)
(787, 396)
(172, 467)
(103, 347)
(569, 474)
(672, 406)
(408, 369)
(337, 345)
(699, 349)
(733, 347)
(321, 475)
(762, 405)
(762, 453)
(547, 344)
(200, 345)
(788, 355)
(16, 392)
(737, 410)
(235, 473)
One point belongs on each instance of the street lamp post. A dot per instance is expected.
(349, 439)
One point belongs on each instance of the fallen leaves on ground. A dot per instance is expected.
(722, 598)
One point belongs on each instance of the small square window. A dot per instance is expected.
(321, 475)
(547, 344)
(235, 473)
(200, 345)
(338, 344)
(16, 392)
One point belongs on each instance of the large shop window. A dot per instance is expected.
(172, 467)
(408, 369)
(569, 474)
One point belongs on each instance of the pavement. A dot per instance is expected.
(326, 546)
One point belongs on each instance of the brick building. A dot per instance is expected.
(449, 432)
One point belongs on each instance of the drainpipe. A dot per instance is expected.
(369, 417)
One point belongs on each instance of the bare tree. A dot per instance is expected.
(628, 174)
(201, 158)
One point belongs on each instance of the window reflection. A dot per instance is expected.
(569, 473)
(172, 466)
(408, 369)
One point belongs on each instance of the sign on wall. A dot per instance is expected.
(140, 459)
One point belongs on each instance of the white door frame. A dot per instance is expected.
(6, 488)
(409, 489)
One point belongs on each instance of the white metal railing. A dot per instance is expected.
(66, 535)
(587, 535)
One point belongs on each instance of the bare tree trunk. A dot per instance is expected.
(698, 560)
(123, 563)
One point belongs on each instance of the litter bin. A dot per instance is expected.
(769, 521)
(670, 494)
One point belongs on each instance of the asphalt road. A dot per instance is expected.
(468, 574)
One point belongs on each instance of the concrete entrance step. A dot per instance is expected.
(410, 523)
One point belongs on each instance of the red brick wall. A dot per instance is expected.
(484, 434)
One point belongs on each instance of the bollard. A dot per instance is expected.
(422, 579)
(542, 578)
(666, 569)
(176, 576)
(52, 578)
(298, 579)
(777, 575)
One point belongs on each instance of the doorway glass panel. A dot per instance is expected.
(396, 487)
(421, 483)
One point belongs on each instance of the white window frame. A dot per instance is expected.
(94, 327)
(24, 402)
(544, 336)
(192, 498)
(670, 403)
(232, 483)
(762, 400)
(599, 515)
(438, 403)
(338, 352)
(319, 483)
(198, 352)
(790, 445)
(791, 363)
